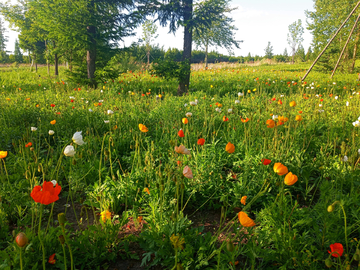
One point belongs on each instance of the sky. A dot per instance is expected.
(258, 22)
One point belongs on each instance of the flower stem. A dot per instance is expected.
(21, 262)
(40, 239)
(63, 247)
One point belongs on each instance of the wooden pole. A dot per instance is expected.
(343, 50)
(317, 58)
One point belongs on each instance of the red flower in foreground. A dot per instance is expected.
(201, 141)
(52, 259)
(336, 250)
(181, 133)
(225, 119)
(46, 193)
(52, 105)
(28, 144)
(266, 161)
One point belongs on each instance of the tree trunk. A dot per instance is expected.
(35, 62)
(148, 57)
(31, 62)
(355, 51)
(91, 52)
(206, 56)
(56, 64)
(186, 57)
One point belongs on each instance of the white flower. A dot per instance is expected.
(336, 97)
(274, 117)
(90, 110)
(86, 101)
(110, 112)
(312, 87)
(51, 132)
(237, 101)
(334, 82)
(106, 121)
(101, 100)
(72, 97)
(229, 110)
(218, 109)
(320, 105)
(101, 91)
(192, 103)
(240, 94)
(347, 103)
(316, 95)
(345, 159)
(354, 93)
(77, 138)
(185, 104)
(321, 111)
(196, 101)
(54, 182)
(356, 123)
(281, 95)
(359, 151)
(188, 114)
(69, 151)
(33, 129)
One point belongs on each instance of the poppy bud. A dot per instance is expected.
(62, 219)
(31, 148)
(21, 240)
(62, 239)
(357, 255)
(330, 208)
(328, 262)
(230, 246)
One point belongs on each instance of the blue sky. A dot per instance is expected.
(258, 22)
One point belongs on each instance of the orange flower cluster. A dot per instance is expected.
(281, 169)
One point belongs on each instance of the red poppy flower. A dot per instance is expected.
(337, 250)
(201, 141)
(52, 105)
(181, 133)
(52, 259)
(28, 144)
(225, 119)
(266, 161)
(46, 193)
(71, 100)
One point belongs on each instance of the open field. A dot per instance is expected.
(252, 169)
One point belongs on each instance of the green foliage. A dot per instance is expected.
(269, 51)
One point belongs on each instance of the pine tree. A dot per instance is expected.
(17, 53)
(269, 51)
(3, 38)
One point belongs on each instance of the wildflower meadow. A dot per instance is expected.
(253, 168)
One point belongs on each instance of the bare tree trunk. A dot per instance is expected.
(148, 57)
(56, 64)
(35, 62)
(185, 80)
(206, 55)
(355, 51)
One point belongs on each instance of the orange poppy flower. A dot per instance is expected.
(270, 123)
(283, 119)
(46, 193)
(337, 250)
(52, 259)
(3, 154)
(182, 150)
(28, 144)
(185, 120)
(225, 119)
(230, 148)
(280, 169)
(243, 200)
(201, 141)
(298, 118)
(290, 179)
(245, 120)
(147, 190)
(187, 172)
(280, 102)
(105, 215)
(292, 104)
(181, 133)
(53, 122)
(245, 220)
(143, 128)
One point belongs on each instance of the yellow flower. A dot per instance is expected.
(177, 241)
(290, 179)
(298, 118)
(3, 154)
(249, 91)
(105, 215)
(292, 104)
(185, 120)
(243, 200)
(280, 169)
(245, 220)
(53, 122)
(230, 148)
(143, 128)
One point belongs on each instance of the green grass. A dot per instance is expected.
(118, 162)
